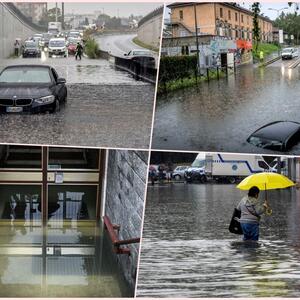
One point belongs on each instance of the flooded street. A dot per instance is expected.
(187, 250)
(104, 107)
(220, 115)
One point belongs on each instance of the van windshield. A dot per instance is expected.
(198, 163)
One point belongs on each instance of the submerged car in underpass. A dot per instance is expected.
(277, 136)
(31, 88)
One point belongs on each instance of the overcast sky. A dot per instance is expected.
(112, 9)
(272, 14)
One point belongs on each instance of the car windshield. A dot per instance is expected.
(25, 75)
(287, 50)
(30, 45)
(265, 143)
(56, 43)
(198, 163)
(140, 52)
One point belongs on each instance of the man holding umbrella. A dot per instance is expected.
(251, 210)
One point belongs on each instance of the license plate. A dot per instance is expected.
(14, 109)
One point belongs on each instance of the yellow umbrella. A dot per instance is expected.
(265, 181)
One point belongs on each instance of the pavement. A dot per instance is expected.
(104, 109)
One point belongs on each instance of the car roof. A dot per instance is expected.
(26, 66)
(279, 130)
(57, 39)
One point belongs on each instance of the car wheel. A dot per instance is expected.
(56, 106)
(177, 177)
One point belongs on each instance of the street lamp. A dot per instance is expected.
(278, 10)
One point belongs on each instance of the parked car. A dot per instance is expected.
(57, 46)
(289, 53)
(31, 49)
(31, 88)
(141, 58)
(179, 171)
(278, 136)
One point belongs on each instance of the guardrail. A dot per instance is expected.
(117, 243)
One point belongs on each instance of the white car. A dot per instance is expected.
(138, 52)
(57, 47)
(289, 53)
(179, 171)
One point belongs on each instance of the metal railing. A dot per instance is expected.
(154, 13)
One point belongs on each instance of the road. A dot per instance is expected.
(220, 115)
(117, 44)
(187, 250)
(105, 107)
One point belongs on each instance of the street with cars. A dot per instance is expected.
(89, 100)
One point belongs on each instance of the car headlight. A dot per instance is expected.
(45, 100)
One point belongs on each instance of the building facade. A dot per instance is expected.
(226, 20)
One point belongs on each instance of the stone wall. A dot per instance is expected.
(11, 27)
(124, 203)
(149, 31)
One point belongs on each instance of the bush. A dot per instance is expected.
(92, 48)
(177, 67)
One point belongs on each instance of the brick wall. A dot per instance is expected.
(126, 183)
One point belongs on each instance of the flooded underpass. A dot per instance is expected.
(187, 250)
(220, 115)
(104, 105)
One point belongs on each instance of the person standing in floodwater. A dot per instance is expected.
(251, 210)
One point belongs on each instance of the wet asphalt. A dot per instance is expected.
(104, 109)
(220, 115)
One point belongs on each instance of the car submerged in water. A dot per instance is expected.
(31, 88)
(277, 136)
(31, 49)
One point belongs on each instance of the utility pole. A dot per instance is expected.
(63, 15)
(55, 11)
(197, 41)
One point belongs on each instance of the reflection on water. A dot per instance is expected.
(69, 257)
(220, 115)
(187, 250)
(74, 261)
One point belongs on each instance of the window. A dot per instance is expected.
(181, 14)
(221, 12)
(236, 17)
(229, 15)
(242, 18)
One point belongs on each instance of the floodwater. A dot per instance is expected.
(64, 259)
(220, 115)
(104, 108)
(187, 250)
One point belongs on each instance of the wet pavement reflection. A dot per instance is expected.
(220, 115)
(104, 108)
(70, 259)
(187, 250)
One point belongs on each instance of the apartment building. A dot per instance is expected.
(218, 19)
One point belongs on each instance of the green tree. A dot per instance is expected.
(256, 30)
